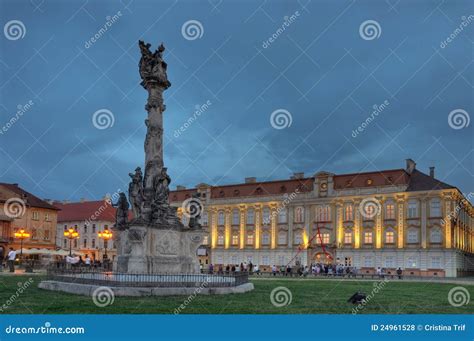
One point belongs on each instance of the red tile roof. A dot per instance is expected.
(371, 179)
(30, 199)
(87, 210)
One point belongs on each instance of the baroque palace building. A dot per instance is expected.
(389, 219)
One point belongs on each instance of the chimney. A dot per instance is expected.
(250, 180)
(299, 175)
(432, 171)
(180, 188)
(411, 166)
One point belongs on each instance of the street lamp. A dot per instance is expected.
(105, 235)
(21, 234)
(71, 234)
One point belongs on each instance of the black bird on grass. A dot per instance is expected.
(357, 298)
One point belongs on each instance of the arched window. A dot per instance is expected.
(348, 213)
(435, 235)
(221, 218)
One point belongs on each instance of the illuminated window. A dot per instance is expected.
(205, 240)
(348, 214)
(282, 217)
(324, 238)
(235, 239)
(220, 239)
(347, 237)
(390, 211)
(389, 237)
(299, 214)
(435, 208)
(368, 238)
(323, 213)
(221, 218)
(250, 216)
(250, 239)
(235, 217)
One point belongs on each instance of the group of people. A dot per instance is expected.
(288, 270)
(77, 261)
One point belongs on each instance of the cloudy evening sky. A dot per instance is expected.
(322, 70)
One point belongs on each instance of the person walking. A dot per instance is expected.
(11, 259)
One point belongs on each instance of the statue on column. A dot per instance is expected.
(121, 213)
(135, 192)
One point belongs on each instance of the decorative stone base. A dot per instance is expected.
(88, 289)
(150, 250)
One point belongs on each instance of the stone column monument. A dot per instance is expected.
(154, 241)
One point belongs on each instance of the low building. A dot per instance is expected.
(88, 218)
(388, 219)
(20, 209)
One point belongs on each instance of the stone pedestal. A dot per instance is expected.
(149, 250)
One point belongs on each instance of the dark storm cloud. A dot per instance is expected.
(318, 68)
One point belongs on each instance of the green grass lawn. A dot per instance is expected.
(308, 297)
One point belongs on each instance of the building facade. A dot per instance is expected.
(88, 218)
(20, 209)
(389, 219)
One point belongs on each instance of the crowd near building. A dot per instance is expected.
(400, 218)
